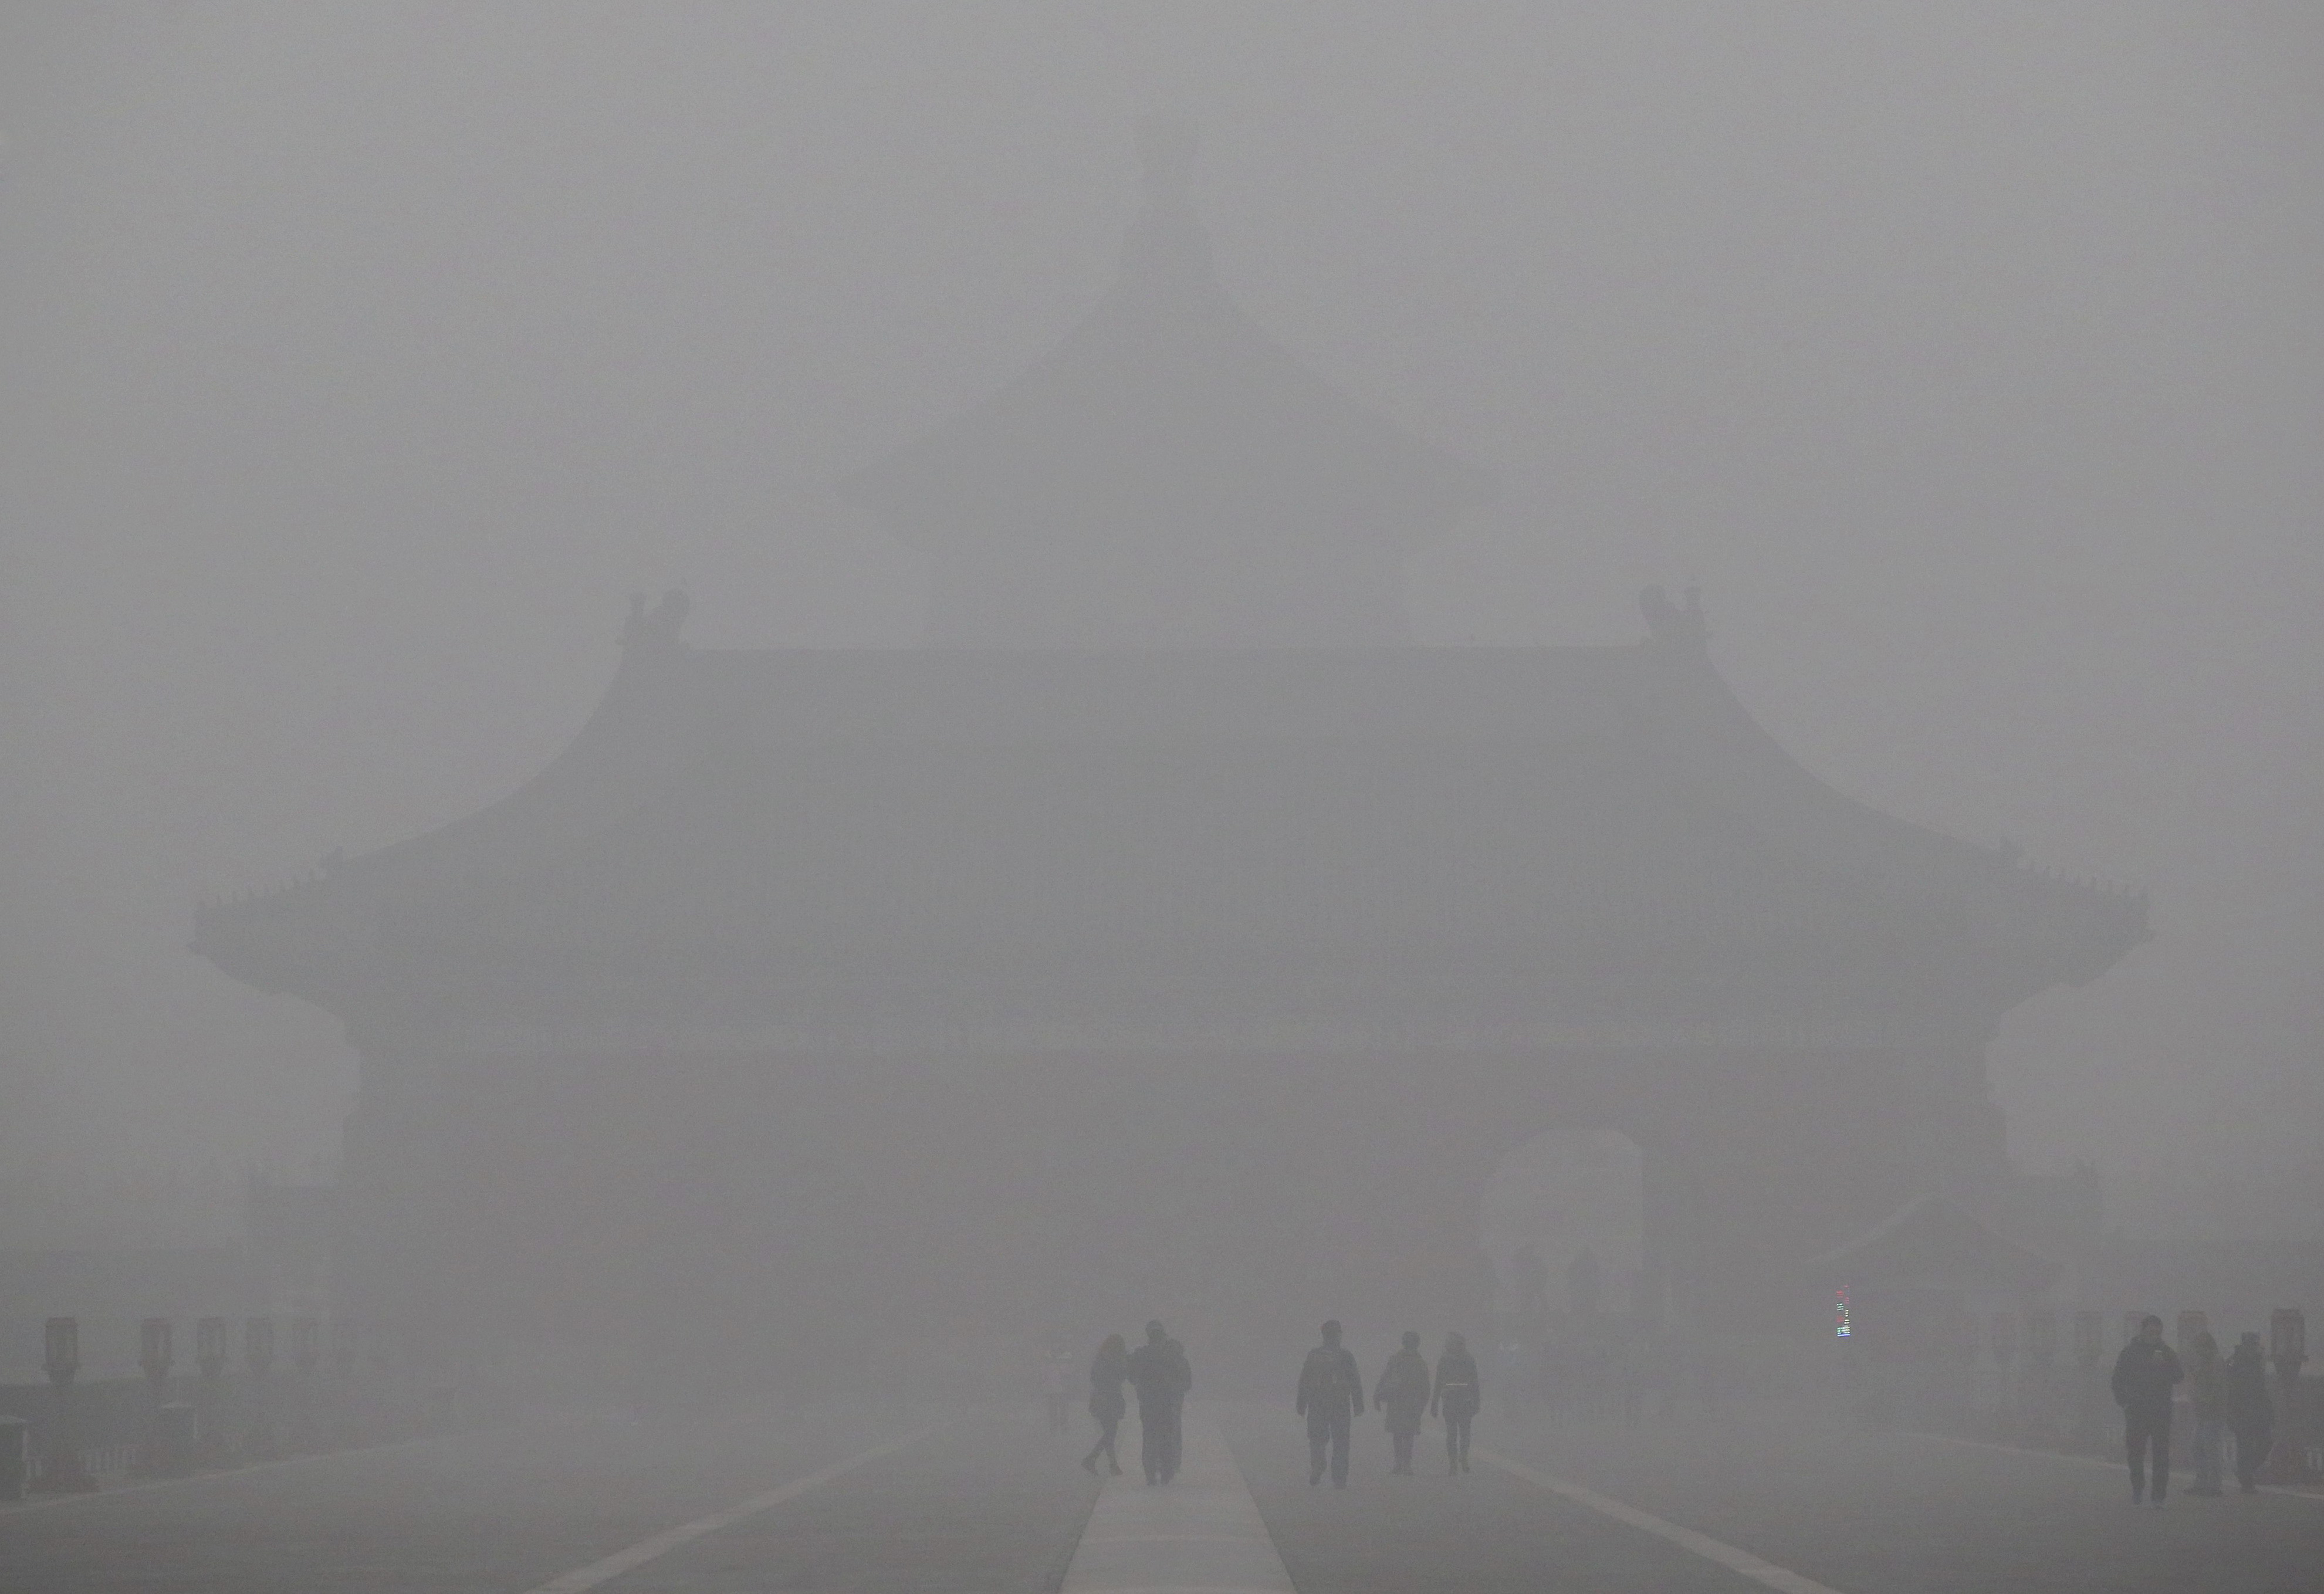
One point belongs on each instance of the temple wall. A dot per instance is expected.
(777, 1214)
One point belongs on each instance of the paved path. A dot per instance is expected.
(1201, 1532)
(1482, 1532)
(1744, 1506)
(1901, 1514)
(990, 1501)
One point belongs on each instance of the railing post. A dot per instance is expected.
(1961, 1338)
(15, 1457)
(2037, 1417)
(209, 1409)
(62, 1469)
(2089, 1349)
(257, 1357)
(2004, 1353)
(346, 1359)
(163, 1452)
(305, 1356)
(2287, 1334)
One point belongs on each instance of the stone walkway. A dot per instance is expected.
(1200, 1533)
(991, 1502)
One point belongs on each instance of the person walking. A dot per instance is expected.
(1107, 1371)
(1331, 1397)
(2207, 1396)
(1456, 1398)
(2251, 1416)
(1402, 1395)
(1162, 1376)
(2145, 1375)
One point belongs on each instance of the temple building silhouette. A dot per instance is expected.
(1170, 935)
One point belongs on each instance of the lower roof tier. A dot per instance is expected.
(985, 843)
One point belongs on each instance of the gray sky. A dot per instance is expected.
(356, 362)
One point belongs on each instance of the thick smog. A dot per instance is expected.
(1186, 798)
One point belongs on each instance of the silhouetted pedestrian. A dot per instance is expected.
(1331, 1397)
(1456, 1398)
(2206, 1399)
(1402, 1395)
(2144, 1374)
(1108, 1370)
(1160, 1373)
(2251, 1416)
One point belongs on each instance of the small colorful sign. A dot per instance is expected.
(1840, 1313)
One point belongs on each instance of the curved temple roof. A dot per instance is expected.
(1461, 838)
(984, 837)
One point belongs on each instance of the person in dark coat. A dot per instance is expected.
(2251, 1416)
(1456, 1398)
(1331, 1397)
(2145, 1375)
(1108, 1372)
(1402, 1396)
(1160, 1373)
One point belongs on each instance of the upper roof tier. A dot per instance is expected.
(1168, 476)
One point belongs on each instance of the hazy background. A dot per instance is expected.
(355, 363)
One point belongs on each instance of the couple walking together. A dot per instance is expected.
(1331, 1397)
(2229, 1393)
(1160, 1373)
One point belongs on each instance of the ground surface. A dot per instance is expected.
(991, 1501)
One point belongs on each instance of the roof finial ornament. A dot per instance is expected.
(1666, 622)
(658, 628)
